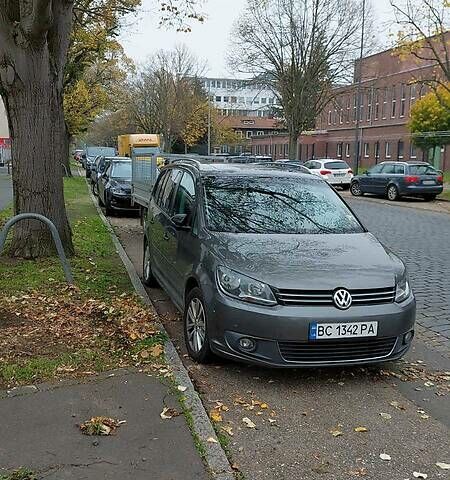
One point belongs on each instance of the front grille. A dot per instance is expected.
(373, 296)
(337, 350)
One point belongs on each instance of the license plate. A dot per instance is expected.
(339, 174)
(325, 331)
(429, 182)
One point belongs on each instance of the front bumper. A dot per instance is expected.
(274, 328)
(122, 202)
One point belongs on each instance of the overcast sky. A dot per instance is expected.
(209, 41)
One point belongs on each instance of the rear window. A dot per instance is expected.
(275, 205)
(422, 170)
(336, 165)
(121, 170)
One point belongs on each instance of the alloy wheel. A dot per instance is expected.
(392, 193)
(356, 189)
(196, 325)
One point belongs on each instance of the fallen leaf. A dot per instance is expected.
(360, 472)
(397, 405)
(444, 466)
(385, 456)
(181, 388)
(386, 416)
(228, 429)
(361, 429)
(264, 406)
(428, 384)
(272, 421)
(102, 426)
(156, 351)
(336, 432)
(419, 475)
(215, 415)
(212, 440)
(144, 354)
(168, 413)
(248, 423)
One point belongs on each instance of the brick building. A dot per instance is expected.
(390, 84)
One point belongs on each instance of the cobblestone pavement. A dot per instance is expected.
(422, 240)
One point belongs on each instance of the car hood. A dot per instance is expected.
(309, 262)
(122, 183)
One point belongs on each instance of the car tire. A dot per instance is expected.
(430, 197)
(196, 327)
(94, 190)
(147, 274)
(108, 210)
(345, 187)
(392, 193)
(355, 189)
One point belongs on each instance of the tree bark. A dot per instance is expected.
(32, 92)
(293, 140)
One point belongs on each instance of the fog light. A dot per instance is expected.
(407, 337)
(247, 344)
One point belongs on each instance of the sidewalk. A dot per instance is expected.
(40, 433)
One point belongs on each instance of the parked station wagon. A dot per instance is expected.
(270, 266)
(397, 179)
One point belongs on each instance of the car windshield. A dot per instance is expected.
(338, 165)
(121, 170)
(280, 205)
(422, 170)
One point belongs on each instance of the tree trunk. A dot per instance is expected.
(66, 170)
(293, 141)
(39, 148)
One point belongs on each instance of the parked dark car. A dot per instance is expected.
(114, 186)
(270, 266)
(397, 179)
(97, 169)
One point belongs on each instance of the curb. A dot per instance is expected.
(215, 457)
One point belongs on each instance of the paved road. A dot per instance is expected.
(421, 239)
(5, 188)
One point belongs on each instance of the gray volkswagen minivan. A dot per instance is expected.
(270, 266)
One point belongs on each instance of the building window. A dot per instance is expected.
(412, 96)
(347, 112)
(355, 103)
(366, 150)
(347, 150)
(226, 99)
(369, 106)
(341, 116)
(260, 132)
(412, 151)
(393, 103)
(403, 100)
(218, 99)
(233, 99)
(387, 150)
(339, 150)
(377, 150)
(249, 134)
(384, 106)
(270, 101)
(330, 116)
(263, 101)
(401, 148)
(377, 104)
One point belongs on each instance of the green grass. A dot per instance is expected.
(20, 474)
(96, 266)
(38, 368)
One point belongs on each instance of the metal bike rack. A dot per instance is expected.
(55, 235)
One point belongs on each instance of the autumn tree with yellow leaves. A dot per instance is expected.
(430, 119)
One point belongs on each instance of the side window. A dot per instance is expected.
(173, 178)
(307, 165)
(376, 168)
(159, 187)
(388, 168)
(185, 197)
(400, 169)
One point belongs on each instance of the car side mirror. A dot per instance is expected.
(181, 221)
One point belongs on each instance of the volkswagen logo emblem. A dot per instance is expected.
(342, 299)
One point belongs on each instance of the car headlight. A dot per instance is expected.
(244, 288)
(403, 289)
(117, 191)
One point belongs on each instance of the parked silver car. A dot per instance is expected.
(270, 266)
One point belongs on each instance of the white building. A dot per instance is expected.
(241, 98)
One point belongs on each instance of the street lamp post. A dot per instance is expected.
(358, 92)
